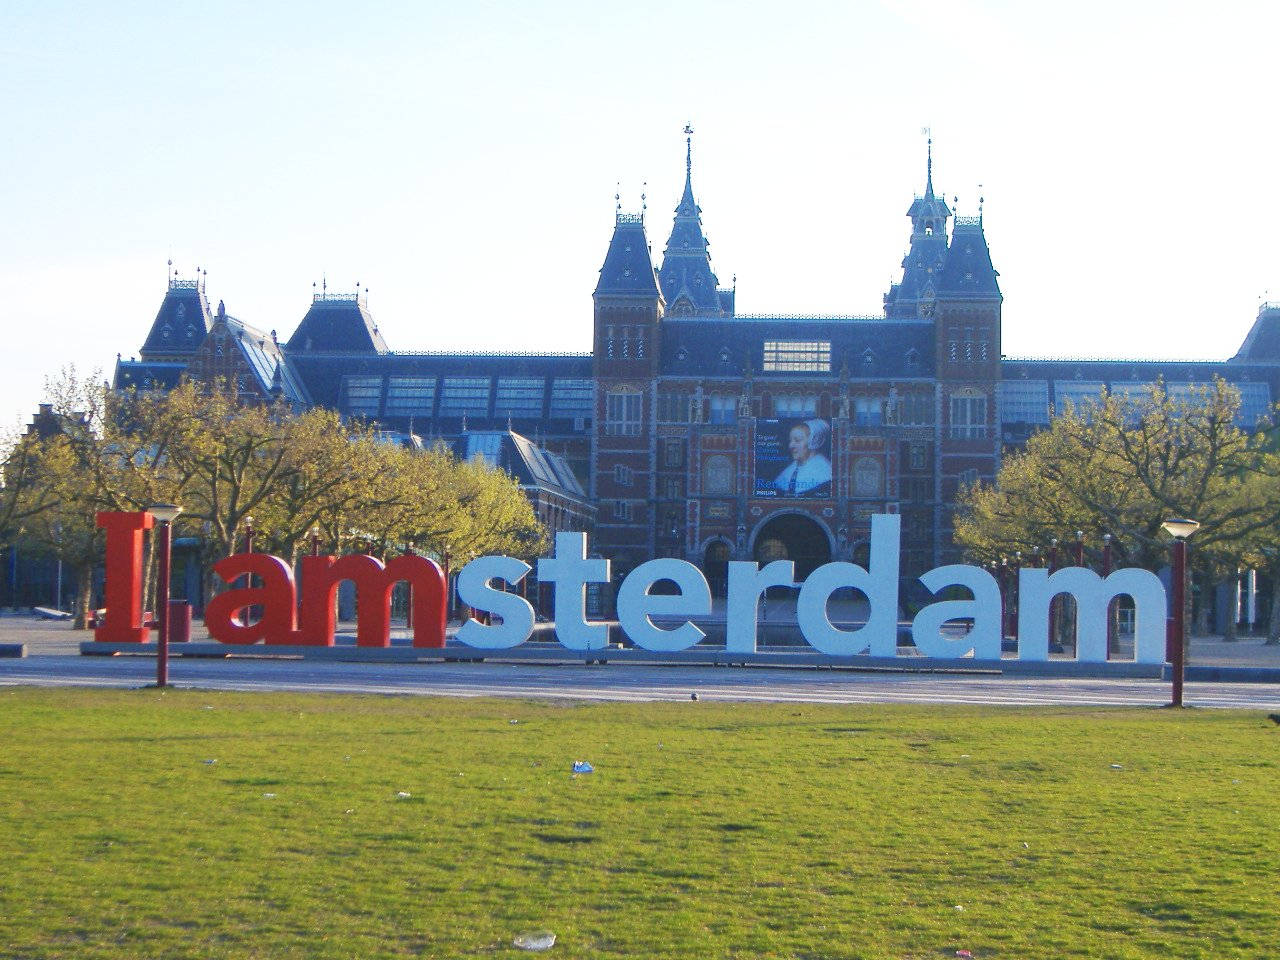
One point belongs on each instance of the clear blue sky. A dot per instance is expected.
(460, 160)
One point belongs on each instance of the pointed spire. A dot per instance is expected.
(928, 186)
(688, 283)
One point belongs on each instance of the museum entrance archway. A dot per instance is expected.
(794, 537)
(715, 566)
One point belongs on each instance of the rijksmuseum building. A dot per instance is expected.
(693, 431)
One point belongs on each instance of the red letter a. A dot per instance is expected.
(276, 596)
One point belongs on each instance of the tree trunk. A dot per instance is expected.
(1273, 624)
(84, 598)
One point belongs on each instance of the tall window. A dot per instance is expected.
(915, 409)
(622, 413)
(1255, 404)
(410, 396)
(363, 396)
(1078, 393)
(723, 410)
(518, 397)
(968, 417)
(673, 407)
(782, 356)
(570, 398)
(1023, 401)
(469, 395)
(717, 475)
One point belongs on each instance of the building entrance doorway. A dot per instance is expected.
(715, 566)
(793, 537)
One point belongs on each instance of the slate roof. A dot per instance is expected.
(1262, 344)
(337, 323)
(869, 347)
(628, 268)
(181, 323)
(147, 374)
(968, 273)
(266, 360)
(530, 464)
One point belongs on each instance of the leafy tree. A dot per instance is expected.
(1122, 466)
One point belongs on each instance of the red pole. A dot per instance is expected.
(1106, 572)
(408, 590)
(448, 590)
(162, 591)
(1177, 659)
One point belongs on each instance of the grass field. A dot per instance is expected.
(707, 830)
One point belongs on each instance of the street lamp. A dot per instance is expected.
(1180, 530)
(166, 513)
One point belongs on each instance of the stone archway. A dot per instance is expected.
(793, 536)
(715, 566)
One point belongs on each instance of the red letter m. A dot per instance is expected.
(373, 580)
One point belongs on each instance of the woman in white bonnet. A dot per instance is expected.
(809, 468)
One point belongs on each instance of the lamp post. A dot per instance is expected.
(166, 513)
(1180, 530)
(315, 540)
(1106, 572)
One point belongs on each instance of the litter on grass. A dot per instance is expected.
(268, 796)
(403, 795)
(537, 940)
(583, 766)
(211, 761)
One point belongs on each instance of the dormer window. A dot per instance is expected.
(913, 357)
(928, 229)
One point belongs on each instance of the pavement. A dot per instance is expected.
(53, 659)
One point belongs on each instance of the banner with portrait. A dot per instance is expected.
(793, 458)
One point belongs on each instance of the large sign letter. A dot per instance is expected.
(515, 611)
(879, 582)
(374, 581)
(571, 571)
(1037, 587)
(747, 580)
(277, 598)
(122, 591)
(636, 605)
(983, 639)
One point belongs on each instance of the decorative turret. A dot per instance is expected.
(628, 269)
(969, 274)
(923, 264)
(1262, 345)
(688, 283)
(181, 323)
(337, 323)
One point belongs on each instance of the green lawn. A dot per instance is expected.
(707, 830)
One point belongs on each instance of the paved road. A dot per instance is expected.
(54, 660)
(625, 682)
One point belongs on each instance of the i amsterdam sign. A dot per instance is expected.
(305, 618)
